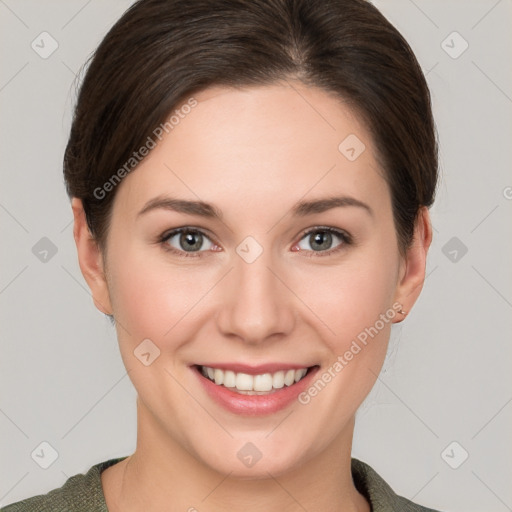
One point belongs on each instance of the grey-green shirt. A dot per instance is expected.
(84, 493)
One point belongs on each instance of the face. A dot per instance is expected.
(267, 278)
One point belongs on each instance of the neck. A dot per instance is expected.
(162, 475)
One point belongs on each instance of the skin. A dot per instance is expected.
(253, 153)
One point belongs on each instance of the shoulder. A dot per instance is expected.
(84, 493)
(378, 493)
(80, 493)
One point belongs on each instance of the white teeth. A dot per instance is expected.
(289, 377)
(253, 384)
(243, 382)
(263, 382)
(278, 380)
(229, 379)
(218, 376)
(299, 374)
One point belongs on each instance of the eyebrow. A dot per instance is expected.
(206, 210)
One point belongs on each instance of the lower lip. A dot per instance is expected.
(255, 405)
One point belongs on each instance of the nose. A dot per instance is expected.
(256, 303)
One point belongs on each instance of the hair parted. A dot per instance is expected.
(162, 52)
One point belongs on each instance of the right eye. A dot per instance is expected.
(185, 242)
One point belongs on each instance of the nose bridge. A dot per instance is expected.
(256, 304)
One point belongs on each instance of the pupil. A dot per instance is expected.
(187, 240)
(323, 238)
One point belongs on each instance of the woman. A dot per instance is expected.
(250, 184)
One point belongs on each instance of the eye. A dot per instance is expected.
(320, 240)
(190, 242)
(186, 241)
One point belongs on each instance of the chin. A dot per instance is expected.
(247, 460)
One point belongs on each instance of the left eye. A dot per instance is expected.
(321, 240)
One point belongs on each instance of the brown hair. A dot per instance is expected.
(162, 51)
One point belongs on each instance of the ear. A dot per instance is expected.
(90, 259)
(412, 273)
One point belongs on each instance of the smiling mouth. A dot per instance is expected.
(260, 384)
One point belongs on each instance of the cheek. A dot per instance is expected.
(149, 297)
(355, 304)
(350, 297)
(156, 300)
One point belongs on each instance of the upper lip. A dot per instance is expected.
(256, 369)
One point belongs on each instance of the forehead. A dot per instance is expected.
(260, 143)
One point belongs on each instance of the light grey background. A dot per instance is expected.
(447, 376)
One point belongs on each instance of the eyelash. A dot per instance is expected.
(345, 238)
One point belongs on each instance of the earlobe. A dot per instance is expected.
(90, 259)
(411, 282)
